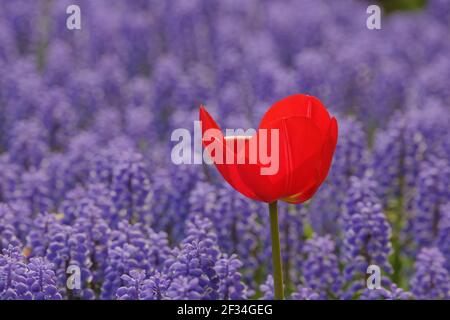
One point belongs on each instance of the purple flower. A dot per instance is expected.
(231, 286)
(267, 289)
(34, 191)
(13, 281)
(91, 224)
(118, 264)
(28, 143)
(443, 237)
(79, 152)
(38, 240)
(198, 256)
(80, 256)
(305, 293)
(128, 249)
(395, 293)
(41, 280)
(185, 288)
(351, 159)
(9, 178)
(156, 286)
(431, 280)
(136, 286)
(172, 202)
(8, 233)
(432, 193)
(59, 169)
(159, 249)
(367, 232)
(131, 187)
(440, 9)
(108, 124)
(58, 253)
(84, 93)
(320, 269)
(238, 229)
(58, 118)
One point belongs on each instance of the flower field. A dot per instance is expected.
(88, 190)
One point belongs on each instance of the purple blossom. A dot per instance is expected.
(128, 249)
(9, 178)
(84, 93)
(136, 287)
(171, 200)
(304, 293)
(185, 288)
(267, 289)
(8, 233)
(41, 280)
(432, 193)
(351, 159)
(38, 240)
(80, 256)
(395, 293)
(58, 118)
(156, 286)
(34, 191)
(320, 269)
(159, 249)
(238, 229)
(13, 281)
(367, 232)
(431, 280)
(198, 256)
(29, 143)
(443, 237)
(131, 187)
(231, 286)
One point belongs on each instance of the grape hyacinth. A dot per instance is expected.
(231, 286)
(41, 280)
(87, 181)
(367, 231)
(431, 280)
(13, 278)
(304, 293)
(394, 293)
(320, 270)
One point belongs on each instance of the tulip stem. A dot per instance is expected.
(276, 252)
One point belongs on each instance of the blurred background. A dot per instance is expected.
(85, 123)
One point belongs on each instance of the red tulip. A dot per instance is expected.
(306, 143)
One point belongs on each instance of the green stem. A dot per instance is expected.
(276, 252)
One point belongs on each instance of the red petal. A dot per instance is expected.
(328, 149)
(324, 165)
(298, 105)
(228, 171)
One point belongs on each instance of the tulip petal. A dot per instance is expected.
(259, 184)
(328, 149)
(228, 171)
(324, 167)
(298, 105)
(300, 146)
